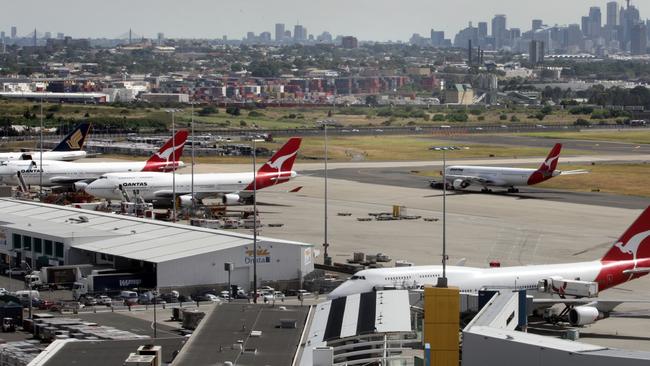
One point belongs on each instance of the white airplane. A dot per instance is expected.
(627, 259)
(461, 177)
(68, 149)
(61, 173)
(232, 188)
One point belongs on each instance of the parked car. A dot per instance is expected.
(89, 301)
(104, 300)
(46, 305)
(129, 297)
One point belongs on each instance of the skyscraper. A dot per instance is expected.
(279, 32)
(639, 39)
(14, 32)
(299, 33)
(612, 14)
(47, 35)
(596, 21)
(437, 38)
(499, 30)
(537, 24)
(586, 26)
(536, 52)
(482, 29)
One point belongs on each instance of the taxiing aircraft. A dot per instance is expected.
(461, 177)
(627, 259)
(68, 149)
(232, 188)
(79, 175)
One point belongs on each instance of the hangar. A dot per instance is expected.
(181, 256)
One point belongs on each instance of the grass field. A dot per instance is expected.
(636, 137)
(624, 179)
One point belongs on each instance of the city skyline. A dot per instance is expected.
(367, 20)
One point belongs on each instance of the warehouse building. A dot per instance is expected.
(181, 256)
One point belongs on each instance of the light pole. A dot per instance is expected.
(40, 174)
(173, 111)
(155, 324)
(442, 281)
(255, 220)
(193, 143)
(326, 258)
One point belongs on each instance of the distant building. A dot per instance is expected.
(60, 35)
(299, 33)
(537, 24)
(462, 94)
(536, 52)
(349, 42)
(612, 14)
(14, 32)
(325, 37)
(161, 38)
(437, 38)
(165, 97)
(595, 21)
(265, 37)
(499, 29)
(279, 32)
(482, 29)
(47, 35)
(639, 39)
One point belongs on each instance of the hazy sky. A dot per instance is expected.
(366, 19)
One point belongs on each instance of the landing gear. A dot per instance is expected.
(513, 190)
(486, 190)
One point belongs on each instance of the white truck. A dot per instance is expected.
(111, 282)
(57, 277)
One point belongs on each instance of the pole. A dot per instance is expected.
(229, 284)
(40, 168)
(155, 324)
(326, 259)
(193, 143)
(442, 281)
(174, 165)
(254, 225)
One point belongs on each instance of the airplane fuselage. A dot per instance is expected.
(495, 176)
(47, 155)
(60, 172)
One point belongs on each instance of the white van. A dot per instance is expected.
(23, 295)
(130, 297)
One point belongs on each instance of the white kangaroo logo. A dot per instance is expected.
(549, 161)
(166, 154)
(279, 162)
(632, 245)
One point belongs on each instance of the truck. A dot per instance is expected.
(564, 287)
(57, 277)
(110, 283)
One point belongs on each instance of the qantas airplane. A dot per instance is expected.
(461, 177)
(68, 149)
(627, 259)
(61, 173)
(232, 188)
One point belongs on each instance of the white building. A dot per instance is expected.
(181, 256)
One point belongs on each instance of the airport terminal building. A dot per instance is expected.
(178, 256)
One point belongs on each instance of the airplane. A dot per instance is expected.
(68, 149)
(461, 177)
(79, 175)
(626, 260)
(232, 188)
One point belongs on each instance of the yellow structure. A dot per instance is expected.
(441, 322)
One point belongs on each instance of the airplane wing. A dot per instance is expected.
(574, 172)
(68, 180)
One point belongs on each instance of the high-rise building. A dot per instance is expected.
(298, 33)
(499, 30)
(639, 39)
(47, 35)
(161, 37)
(14, 32)
(537, 24)
(349, 42)
(612, 14)
(279, 32)
(60, 35)
(287, 34)
(437, 38)
(596, 21)
(2, 35)
(586, 25)
(536, 52)
(265, 37)
(482, 29)
(325, 37)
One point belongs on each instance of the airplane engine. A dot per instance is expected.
(231, 199)
(584, 315)
(460, 184)
(185, 201)
(80, 186)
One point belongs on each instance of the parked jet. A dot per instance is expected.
(61, 173)
(67, 150)
(461, 177)
(232, 188)
(627, 259)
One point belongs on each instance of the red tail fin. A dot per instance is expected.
(634, 243)
(278, 168)
(550, 163)
(167, 158)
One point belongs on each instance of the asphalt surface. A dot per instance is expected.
(406, 178)
(603, 147)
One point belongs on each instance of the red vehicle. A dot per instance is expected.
(45, 305)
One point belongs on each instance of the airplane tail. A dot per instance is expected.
(279, 168)
(167, 158)
(634, 243)
(549, 165)
(74, 141)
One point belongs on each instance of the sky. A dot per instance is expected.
(378, 20)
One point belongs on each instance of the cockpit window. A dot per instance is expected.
(103, 177)
(358, 277)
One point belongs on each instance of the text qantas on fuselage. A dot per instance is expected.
(79, 175)
(70, 148)
(461, 176)
(232, 188)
